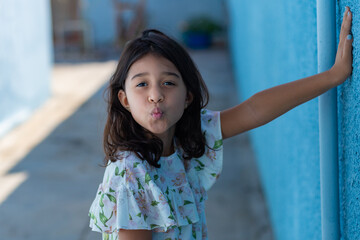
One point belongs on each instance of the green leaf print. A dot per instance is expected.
(171, 217)
(147, 178)
(122, 173)
(130, 217)
(103, 218)
(139, 184)
(199, 168)
(117, 171)
(188, 219)
(156, 177)
(153, 226)
(201, 199)
(111, 190)
(200, 163)
(168, 239)
(154, 203)
(218, 144)
(194, 234)
(136, 164)
(167, 191)
(180, 190)
(213, 174)
(112, 198)
(106, 236)
(139, 214)
(145, 217)
(92, 216)
(186, 202)
(203, 111)
(101, 204)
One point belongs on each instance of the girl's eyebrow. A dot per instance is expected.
(163, 73)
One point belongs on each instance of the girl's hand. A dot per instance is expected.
(343, 62)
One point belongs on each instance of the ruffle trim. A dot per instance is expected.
(149, 208)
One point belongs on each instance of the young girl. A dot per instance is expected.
(164, 150)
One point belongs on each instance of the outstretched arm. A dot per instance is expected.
(269, 104)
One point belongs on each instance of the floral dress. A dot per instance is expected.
(169, 200)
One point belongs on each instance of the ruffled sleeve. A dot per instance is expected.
(130, 198)
(209, 166)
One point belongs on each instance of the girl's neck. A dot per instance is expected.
(168, 149)
(168, 142)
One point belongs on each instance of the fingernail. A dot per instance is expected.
(349, 37)
(348, 13)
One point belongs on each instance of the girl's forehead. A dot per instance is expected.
(152, 62)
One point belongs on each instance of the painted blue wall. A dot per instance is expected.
(349, 134)
(161, 14)
(274, 42)
(25, 59)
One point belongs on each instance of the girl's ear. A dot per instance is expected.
(189, 99)
(123, 99)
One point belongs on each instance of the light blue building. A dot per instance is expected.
(25, 59)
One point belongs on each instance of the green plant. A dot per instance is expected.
(201, 24)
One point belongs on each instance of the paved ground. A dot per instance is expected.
(55, 181)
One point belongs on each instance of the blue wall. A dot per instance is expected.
(161, 14)
(25, 59)
(274, 42)
(349, 134)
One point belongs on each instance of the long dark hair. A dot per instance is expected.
(123, 133)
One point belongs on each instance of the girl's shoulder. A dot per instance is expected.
(210, 121)
(127, 170)
(211, 127)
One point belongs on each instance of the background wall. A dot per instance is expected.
(349, 134)
(25, 59)
(162, 14)
(273, 43)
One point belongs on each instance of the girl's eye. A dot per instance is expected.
(142, 84)
(169, 84)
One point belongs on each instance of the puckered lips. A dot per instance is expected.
(156, 113)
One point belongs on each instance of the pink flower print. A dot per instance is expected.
(162, 199)
(179, 179)
(115, 210)
(130, 177)
(162, 179)
(142, 202)
(109, 231)
(181, 211)
(204, 231)
(211, 154)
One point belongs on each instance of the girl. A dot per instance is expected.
(164, 150)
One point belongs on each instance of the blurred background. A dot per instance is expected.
(57, 56)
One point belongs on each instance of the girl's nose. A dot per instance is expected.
(155, 96)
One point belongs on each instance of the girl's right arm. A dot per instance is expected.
(135, 235)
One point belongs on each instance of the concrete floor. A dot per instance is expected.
(59, 171)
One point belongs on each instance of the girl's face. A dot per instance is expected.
(155, 95)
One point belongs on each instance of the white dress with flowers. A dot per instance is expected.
(169, 200)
